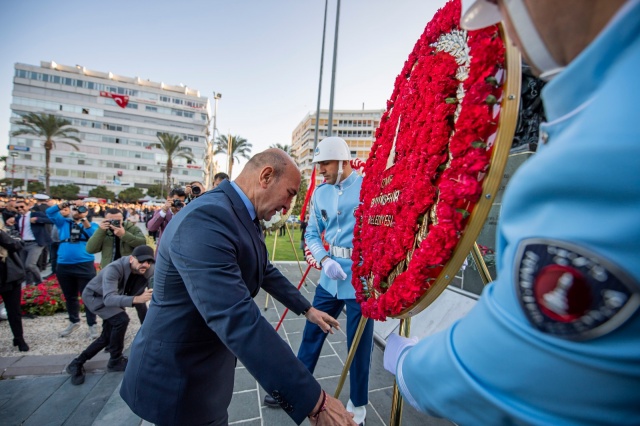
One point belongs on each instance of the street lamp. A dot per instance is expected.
(13, 169)
(210, 166)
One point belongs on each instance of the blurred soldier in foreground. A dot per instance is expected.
(556, 339)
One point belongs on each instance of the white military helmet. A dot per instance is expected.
(331, 148)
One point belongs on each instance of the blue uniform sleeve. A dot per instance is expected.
(313, 234)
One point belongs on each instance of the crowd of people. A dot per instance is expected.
(39, 232)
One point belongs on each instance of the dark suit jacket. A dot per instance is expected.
(43, 237)
(210, 265)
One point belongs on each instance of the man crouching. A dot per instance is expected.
(122, 283)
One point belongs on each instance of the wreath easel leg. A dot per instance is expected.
(396, 401)
(483, 271)
(352, 352)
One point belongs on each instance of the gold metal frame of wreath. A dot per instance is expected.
(509, 108)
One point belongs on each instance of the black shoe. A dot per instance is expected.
(270, 402)
(76, 369)
(118, 364)
(21, 344)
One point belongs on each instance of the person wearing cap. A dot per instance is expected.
(332, 213)
(556, 338)
(122, 283)
(75, 267)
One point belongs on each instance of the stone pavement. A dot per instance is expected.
(35, 390)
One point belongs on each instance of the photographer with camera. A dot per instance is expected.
(123, 283)
(161, 218)
(116, 238)
(194, 190)
(75, 266)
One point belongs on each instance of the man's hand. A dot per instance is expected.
(395, 346)
(333, 269)
(334, 413)
(33, 219)
(118, 231)
(322, 320)
(105, 225)
(167, 205)
(144, 297)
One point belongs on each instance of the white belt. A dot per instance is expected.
(342, 252)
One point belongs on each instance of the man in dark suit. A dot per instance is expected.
(212, 262)
(33, 232)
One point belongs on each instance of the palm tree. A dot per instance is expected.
(170, 144)
(239, 148)
(285, 148)
(53, 129)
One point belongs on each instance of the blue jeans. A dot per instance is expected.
(313, 337)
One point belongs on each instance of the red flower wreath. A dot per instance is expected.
(425, 170)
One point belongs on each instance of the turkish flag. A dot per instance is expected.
(120, 100)
(312, 186)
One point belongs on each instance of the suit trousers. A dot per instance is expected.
(30, 254)
(73, 278)
(313, 337)
(12, 299)
(114, 330)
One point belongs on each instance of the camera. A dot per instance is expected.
(116, 223)
(64, 205)
(79, 209)
(177, 203)
(195, 190)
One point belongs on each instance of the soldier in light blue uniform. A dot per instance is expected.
(556, 339)
(332, 212)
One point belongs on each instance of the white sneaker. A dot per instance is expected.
(94, 333)
(359, 413)
(73, 326)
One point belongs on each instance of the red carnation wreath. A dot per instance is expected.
(425, 170)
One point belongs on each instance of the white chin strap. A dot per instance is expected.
(532, 43)
(339, 172)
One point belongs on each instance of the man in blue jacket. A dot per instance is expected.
(555, 340)
(75, 266)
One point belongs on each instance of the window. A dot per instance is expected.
(58, 160)
(151, 108)
(85, 110)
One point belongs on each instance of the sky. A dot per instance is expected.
(262, 56)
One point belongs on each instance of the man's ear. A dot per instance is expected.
(266, 176)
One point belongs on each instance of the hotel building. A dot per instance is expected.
(118, 118)
(356, 127)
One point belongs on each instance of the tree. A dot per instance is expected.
(101, 191)
(170, 144)
(302, 193)
(239, 148)
(285, 148)
(155, 191)
(53, 129)
(3, 159)
(130, 195)
(37, 187)
(65, 192)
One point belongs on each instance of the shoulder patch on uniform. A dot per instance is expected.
(571, 292)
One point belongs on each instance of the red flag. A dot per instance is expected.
(120, 100)
(307, 198)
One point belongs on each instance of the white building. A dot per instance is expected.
(356, 127)
(119, 119)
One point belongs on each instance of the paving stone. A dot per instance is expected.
(8, 361)
(244, 406)
(116, 412)
(243, 380)
(62, 403)
(19, 398)
(94, 402)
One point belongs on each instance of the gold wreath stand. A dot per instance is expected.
(506, 130)
(273, 255)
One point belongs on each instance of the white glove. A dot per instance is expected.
(333, 269)
(395, 346)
